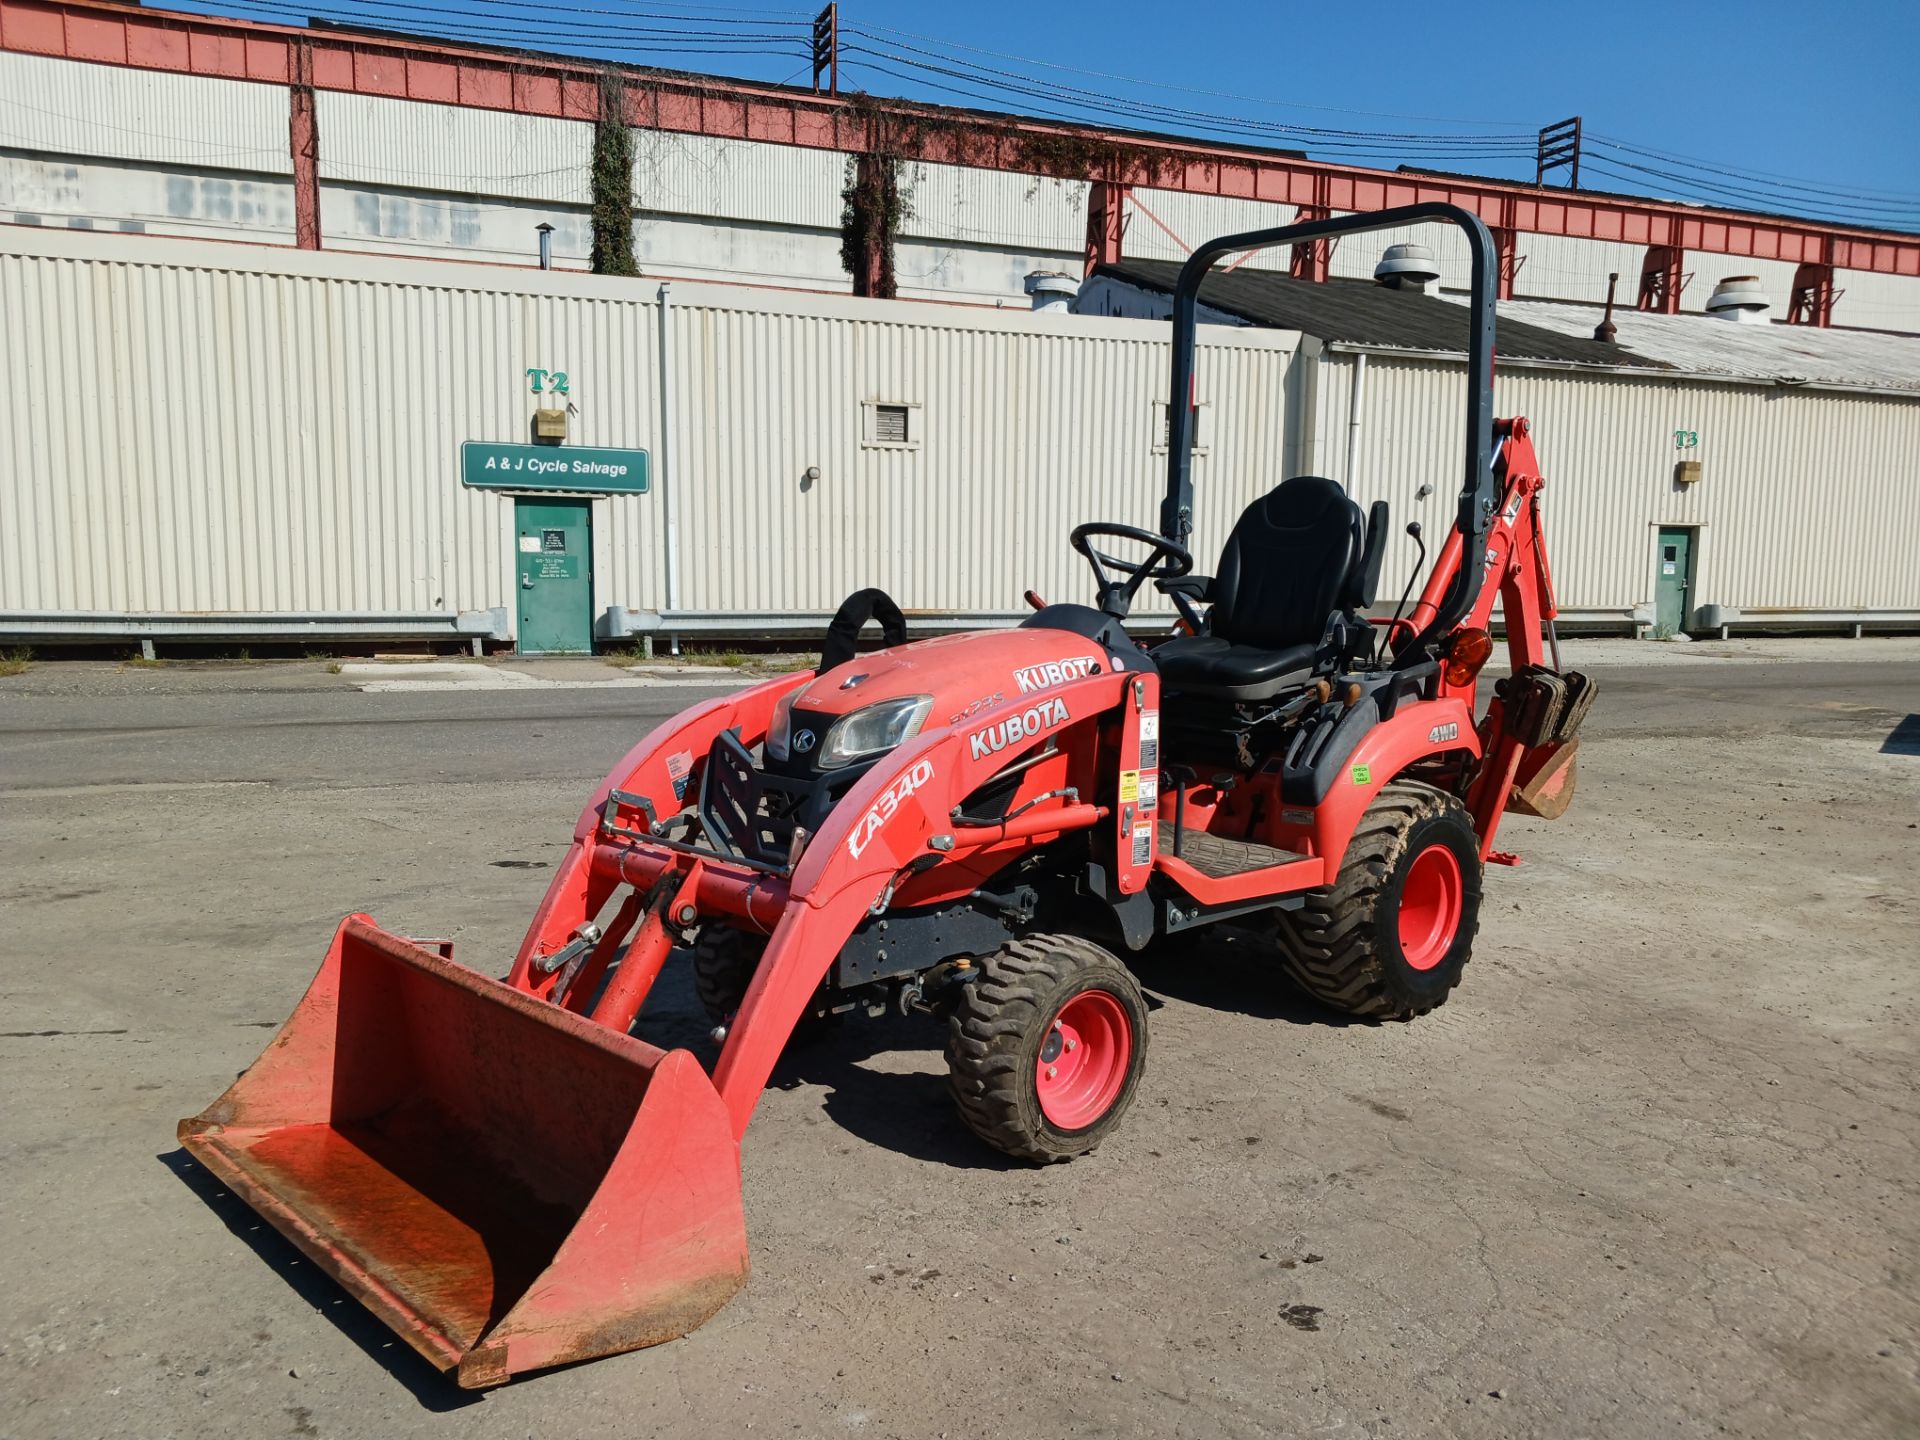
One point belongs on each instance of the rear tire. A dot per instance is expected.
(1045, 1050)
(1389, 939)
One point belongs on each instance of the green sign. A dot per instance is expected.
(488, 466)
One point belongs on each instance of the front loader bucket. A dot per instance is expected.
(507, 1185)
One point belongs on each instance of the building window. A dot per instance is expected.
(891, 426)
(1202, 427)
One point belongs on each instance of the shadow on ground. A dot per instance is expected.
(1232, 970)
(427, 1385)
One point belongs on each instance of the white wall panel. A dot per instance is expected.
(231, 429)
(137, 199)
(987, 207)
(1808, 499)
(1031, 424)
(416, 146)
(64, 107)
(737, 179)
(1560, 267)
(1197, 219)
(1880, 302)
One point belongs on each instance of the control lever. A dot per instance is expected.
(1413, 529)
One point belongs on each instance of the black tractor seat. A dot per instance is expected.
(1299, 564)
(1213, 665)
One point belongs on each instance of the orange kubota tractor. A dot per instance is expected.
(975, 828)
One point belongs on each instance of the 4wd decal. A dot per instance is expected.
(1448, 731)
(884, 809)
(1055, 672)
(1024, 726)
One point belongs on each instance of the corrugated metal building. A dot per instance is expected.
(233, 440)
(246, 441)
(1776, 468)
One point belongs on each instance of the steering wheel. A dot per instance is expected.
(1165, 560)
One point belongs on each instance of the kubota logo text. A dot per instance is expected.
(1058, 672)
(1044, 716)
(884, 809)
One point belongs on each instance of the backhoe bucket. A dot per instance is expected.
(506, 1184)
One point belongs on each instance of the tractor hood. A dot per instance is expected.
(954, 677)
(962, 673)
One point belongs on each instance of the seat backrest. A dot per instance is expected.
(1363, 585)
(1289, 564)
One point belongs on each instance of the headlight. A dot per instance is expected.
(872, 731)
(781, 723)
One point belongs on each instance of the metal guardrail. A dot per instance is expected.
(216, 627)
(646, 626)
(1728, 618)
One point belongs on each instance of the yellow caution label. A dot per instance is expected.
(1363, 774)
(1129, 786)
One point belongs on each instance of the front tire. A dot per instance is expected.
(1388, 940)
(724, 960)
(1045, 1050)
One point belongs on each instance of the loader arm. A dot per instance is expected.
(896, 820)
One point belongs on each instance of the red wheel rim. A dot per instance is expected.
(1083, 1060)
(1430, 904)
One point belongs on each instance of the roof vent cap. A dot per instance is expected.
(1052, 290)
(1407, 267)
(1739, 298)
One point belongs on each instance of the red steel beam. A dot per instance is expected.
(303, 131)
(416, 69)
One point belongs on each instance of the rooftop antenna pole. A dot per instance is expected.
(1606, 330)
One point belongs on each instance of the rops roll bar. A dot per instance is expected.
(1477, 494)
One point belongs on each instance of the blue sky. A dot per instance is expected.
(1825, 92)
(1816, 108)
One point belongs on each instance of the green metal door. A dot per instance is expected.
(555, 552)
(1673, 581)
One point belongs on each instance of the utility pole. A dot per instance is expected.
(1559, 149)
(826, 49)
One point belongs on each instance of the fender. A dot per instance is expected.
(1416, 732)
(575, 895)
(885, 823)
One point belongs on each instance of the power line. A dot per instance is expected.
(1185, 89)
(1782, 181)
(1861, 212)
(992, 77)
(1078, 116)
